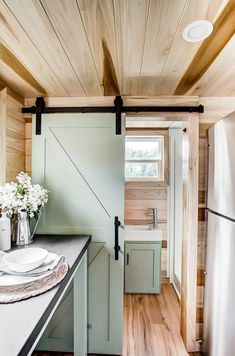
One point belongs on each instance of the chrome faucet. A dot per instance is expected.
(154, 215)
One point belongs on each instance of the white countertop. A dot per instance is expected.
(21, 322)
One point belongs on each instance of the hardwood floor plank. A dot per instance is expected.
(152, 325)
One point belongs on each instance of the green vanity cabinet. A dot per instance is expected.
(143, 267)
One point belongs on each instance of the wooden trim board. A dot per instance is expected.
(190, 235)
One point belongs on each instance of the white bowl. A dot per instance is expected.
(25, 259)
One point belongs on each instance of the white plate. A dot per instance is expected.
(9, 280)
(25, 259)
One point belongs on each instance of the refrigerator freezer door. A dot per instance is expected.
(221, 174)
(219, 302)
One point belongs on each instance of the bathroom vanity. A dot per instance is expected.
(142, 260)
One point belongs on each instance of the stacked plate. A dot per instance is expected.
(23, 268)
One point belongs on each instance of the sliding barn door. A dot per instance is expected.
(80, 159)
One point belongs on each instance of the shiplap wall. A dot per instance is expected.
(28, 147)
(139, 198)
(12, 125)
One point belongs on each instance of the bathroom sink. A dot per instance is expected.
(142, 233)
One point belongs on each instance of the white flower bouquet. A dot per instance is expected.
(23, 196)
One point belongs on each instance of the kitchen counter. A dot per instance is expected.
(22, 323)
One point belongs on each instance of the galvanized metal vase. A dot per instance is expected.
(21, 229)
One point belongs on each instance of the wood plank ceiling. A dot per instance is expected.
(109, 47)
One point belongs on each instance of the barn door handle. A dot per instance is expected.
(127, 259)
(116, 243)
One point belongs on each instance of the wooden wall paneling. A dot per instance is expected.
(158, 41)
(140, 214)
(20, 44)
(36, 24)
(182, 53)
(131, 22)
(217, 79)
(12, 131)
(148, 122)
(15, 139)
(172, 100)
(190, 235)
(69, 27)
(146, 204)
(28, 130)
(164, 100)
(28, 148)
(224, 28)
(3, 98)
(156, 193)
(99, 22)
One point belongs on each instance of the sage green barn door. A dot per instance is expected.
(81, 160)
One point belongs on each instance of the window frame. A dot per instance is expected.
(147, 136)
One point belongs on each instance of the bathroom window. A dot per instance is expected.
(144, 158)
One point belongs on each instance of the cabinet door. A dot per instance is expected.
(142, 267)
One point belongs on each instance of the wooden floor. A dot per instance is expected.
(151, 326)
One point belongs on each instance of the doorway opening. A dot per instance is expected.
(153, 314)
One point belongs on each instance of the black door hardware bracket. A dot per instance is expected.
(118, 103)
(40, 106)
(118, 109)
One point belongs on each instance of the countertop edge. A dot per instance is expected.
(36, 331)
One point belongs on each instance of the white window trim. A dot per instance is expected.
(148, 160)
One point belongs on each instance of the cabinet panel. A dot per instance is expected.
(142, 267)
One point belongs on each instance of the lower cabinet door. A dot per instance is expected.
(143, 267)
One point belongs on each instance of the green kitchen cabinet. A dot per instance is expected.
(143, 267)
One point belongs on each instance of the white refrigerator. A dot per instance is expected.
(219, 298)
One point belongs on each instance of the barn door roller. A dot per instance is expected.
(40, 106)
(118, 109)
(118, 103)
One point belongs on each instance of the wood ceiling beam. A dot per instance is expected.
(110, 82)
(224, 28)
(12, 62)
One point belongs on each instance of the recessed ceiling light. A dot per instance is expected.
(197, 31)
